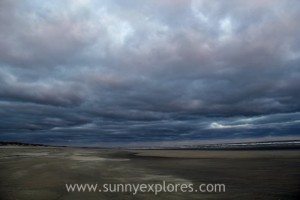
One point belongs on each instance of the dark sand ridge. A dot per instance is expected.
(237, 154)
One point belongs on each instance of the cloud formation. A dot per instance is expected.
(80, 71)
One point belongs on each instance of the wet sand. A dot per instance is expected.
(42, 172)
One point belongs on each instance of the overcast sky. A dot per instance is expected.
(119, 72)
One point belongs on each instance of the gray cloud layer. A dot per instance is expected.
(122, 71)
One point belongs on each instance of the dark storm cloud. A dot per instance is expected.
(123, 71)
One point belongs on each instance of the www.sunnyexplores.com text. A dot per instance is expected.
(155, 188)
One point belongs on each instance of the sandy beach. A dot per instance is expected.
(42, 172)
